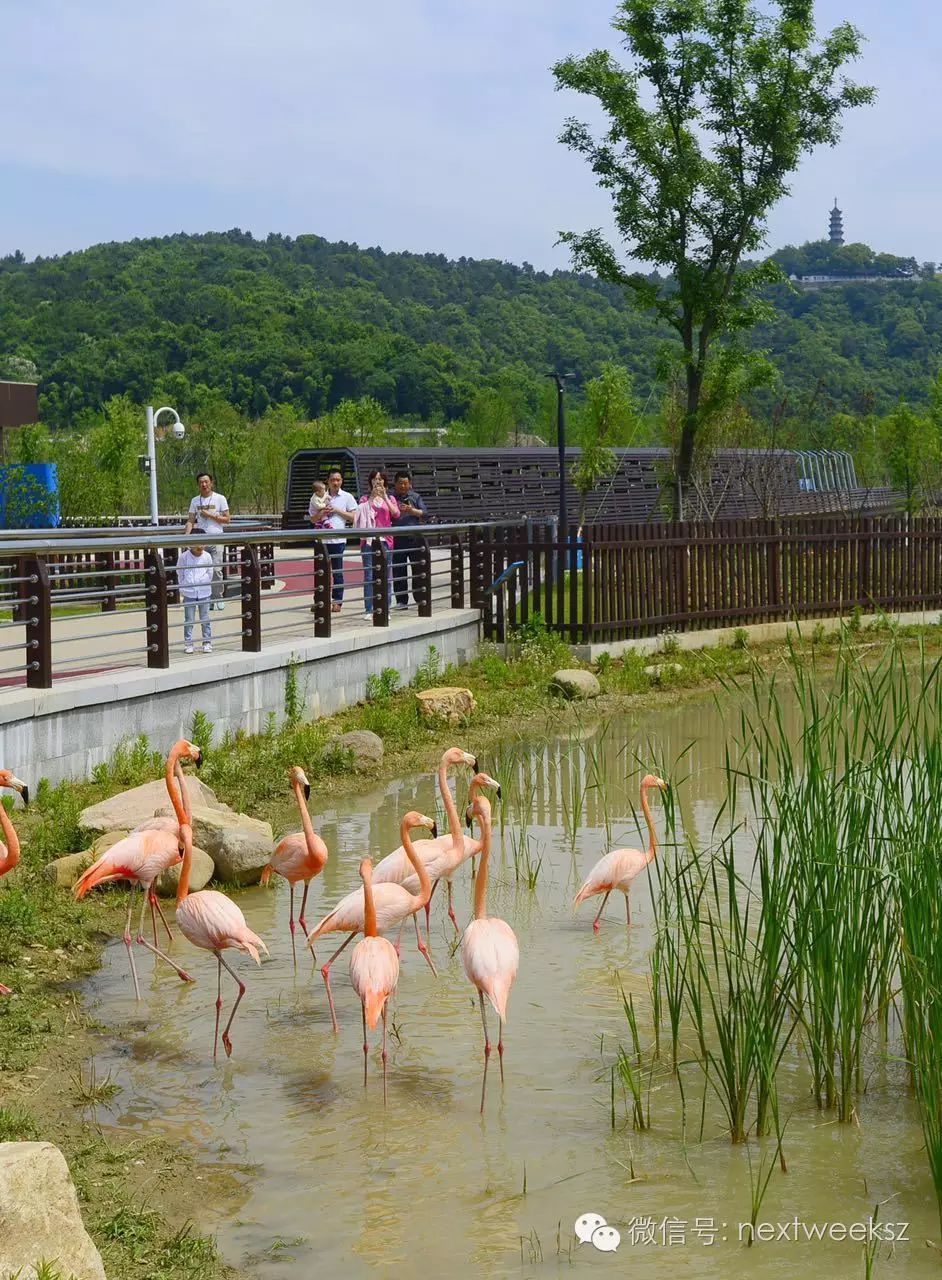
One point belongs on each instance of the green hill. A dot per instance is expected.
(307, 322)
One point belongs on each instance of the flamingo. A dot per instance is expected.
(394, 904)
(10, 845)
(298, 856)
(489, 950)
(443, 855)
(618, 868)
(212, 921)
(374, 970)
(143, 854)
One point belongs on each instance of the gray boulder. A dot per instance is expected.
(662, 670)
(39, 1215)
(65, 871)
(129, 808)
(365, 747)
(455, 706)
(576, 684)
(238, 845)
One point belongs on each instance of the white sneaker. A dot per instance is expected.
(207, 648)
(188, 649)
(219, 605)
(368, 614)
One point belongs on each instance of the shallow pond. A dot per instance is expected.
(338, 1186)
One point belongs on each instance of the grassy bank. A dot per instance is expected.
(47, 942)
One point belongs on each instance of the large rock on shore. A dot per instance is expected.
(130, 808)
(455, 706)
(39, 1215)
(364, 746)
(238, 845)
(576, 683)
(65, 871)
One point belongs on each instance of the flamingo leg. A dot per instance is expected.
(487, 1048)
(366, 1047)
(291, 925)
(451, 911)
(325, 973)
(398, 944)
(226, 1042)
(421, 945)
(142, 942)
(385, 1054)
(218, 1004)
(595, 922)
(428, 915)
(127, 942)
(156, 903)
(301, 920)
(628, 910)
(500, 1049)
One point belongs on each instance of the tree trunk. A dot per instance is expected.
(687, 437)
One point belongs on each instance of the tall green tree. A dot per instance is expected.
(610, 418)
(910, 446)
(718, 104)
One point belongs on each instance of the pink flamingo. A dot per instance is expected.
(618, 868)
(212, 921)
(10, 845)
(446, 851)
(143, 855)
(489, 950)
(374, 970)
(393, 902)
(299, 856)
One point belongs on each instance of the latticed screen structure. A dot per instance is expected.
(495, 484)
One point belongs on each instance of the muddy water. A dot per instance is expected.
(336, 1186)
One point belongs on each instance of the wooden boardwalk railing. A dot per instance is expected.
(620, 581)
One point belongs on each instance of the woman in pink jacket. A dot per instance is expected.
(376, 510)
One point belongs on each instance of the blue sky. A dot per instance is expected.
(428, 125)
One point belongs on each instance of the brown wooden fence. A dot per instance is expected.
(628, 580)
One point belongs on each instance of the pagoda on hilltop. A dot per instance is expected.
(836, 232)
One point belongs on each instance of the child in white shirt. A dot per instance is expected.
(195, 580)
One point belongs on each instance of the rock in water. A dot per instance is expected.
(238, 845)
(365, 746)
(455, 706)
(130, 808)
(39, 1215)
(576, 683)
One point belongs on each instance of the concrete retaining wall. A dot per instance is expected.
(65, 731)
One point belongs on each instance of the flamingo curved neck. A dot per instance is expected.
(451, 809)
(10, 855)
(186, 836)
(178, 798)
(307, 826)
(480, 880)
(649, 819)
(425, 884)
(369, 906)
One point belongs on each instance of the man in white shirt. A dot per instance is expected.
(209, 512)
(339, 513)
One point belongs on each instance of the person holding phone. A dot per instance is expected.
(209, 513)
(407, 550)
(376, 510)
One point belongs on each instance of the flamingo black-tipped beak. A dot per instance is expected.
(476, 767)
(22, 788)
(198, 760)
(498, 791)
(469, 819)
(434, 830)
(307, 791)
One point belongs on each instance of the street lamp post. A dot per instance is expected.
(178, 430)
(563, 531)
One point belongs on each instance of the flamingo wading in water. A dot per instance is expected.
(444, 854)
(393, 902)
(10, 845)
(618, 868)
(374, 971)
(298, 856)
(489, 950)
(144, 854)
(212, 921)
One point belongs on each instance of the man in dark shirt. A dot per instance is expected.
(406, 549)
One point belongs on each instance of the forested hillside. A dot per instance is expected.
(307, 323)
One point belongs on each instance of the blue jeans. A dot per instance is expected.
(367, 551)
(335, 550)
(190, 608)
